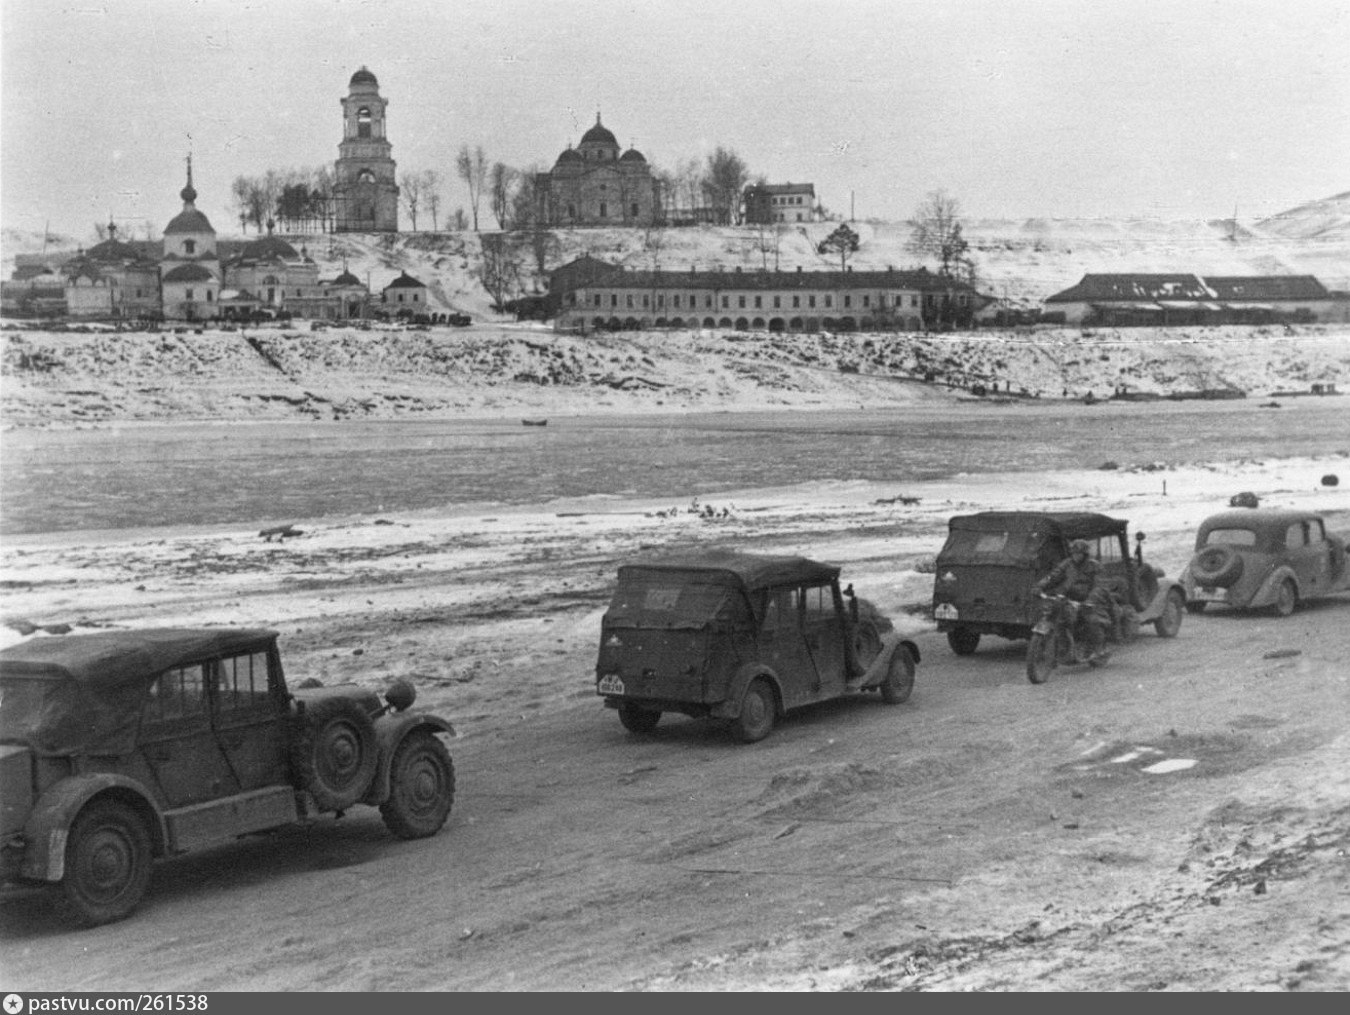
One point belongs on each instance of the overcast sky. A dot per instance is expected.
(1019, 108)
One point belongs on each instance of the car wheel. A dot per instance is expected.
(421, 789)
(637, 719)
(107, 863)
(963, 640)
(1195, 606)
(1217, 565)
(1041, 657)
(899, 682)
(334, 752)
(1174, 609)
(758, 711)
(1286, 598)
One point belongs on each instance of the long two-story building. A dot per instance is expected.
(795, 301)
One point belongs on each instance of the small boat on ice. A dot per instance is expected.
(534, 422)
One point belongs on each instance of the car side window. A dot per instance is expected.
(780, 612)
(1108, 551)
(819, 603)
(1294, 536)
(242, 682)
(178, 694)
(1317, 532)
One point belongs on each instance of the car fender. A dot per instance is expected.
(891, 643)
(730, 706)
(1154, 610)
(391, 730)
(47, 826)
(1268, 591)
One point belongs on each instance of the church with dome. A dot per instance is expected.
(597, 184)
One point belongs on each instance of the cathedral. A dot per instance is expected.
(594, 185)
(365, 193)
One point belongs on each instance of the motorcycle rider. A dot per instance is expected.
(1078, 576)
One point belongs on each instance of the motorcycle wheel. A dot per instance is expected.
(1041, 658)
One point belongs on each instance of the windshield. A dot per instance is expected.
(670, 600)
(20, 708)
(1231, 537)
(992, 546)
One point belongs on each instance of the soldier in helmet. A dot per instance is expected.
(1078, 576)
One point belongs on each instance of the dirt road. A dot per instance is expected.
(987, 834)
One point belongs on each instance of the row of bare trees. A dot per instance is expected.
(298, 200)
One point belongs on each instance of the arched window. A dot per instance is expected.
(363, 122)
(365, 176)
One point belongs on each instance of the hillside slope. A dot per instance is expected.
(500, 370)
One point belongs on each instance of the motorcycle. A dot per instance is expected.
(1059, 638)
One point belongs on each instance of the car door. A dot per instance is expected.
(782, 645)
(823, 629)
(249, 715)
(177, 741)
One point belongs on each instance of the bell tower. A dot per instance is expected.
(365, 193)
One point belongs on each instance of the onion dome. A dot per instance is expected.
(633, 155)
(599, 134)
(568, 155)
(346, 278)
(363, 78)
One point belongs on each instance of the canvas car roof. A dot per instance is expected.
(1256, 518)
(750, 570)
(115, 658)
(1069, 524)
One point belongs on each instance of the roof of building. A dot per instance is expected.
(782, 188)
(406, 281)
(363, 77)
(113, 249)
(599, 134)
(569, 155)
(189, 220)
(24, 272)
(268, 248)
(920, 279)
(633, 155)
(190, 272)
(346, 278)
(1133, 287)
(1266, 287)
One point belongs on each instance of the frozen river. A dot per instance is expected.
(138, 475)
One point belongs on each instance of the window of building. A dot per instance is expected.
(595, 300)
(363, 122)
(677, 301)
(726, 302)
(628, 301)
(571, 211)
(189, 246)
(603, 210)
(646, 300)
(867, 299)
(613, 299)
(633, 209)
(708, 301)
(913, 300)
(848, 300)
(829, 299)
(777, 302)
(759, 302)
(661, 299)
(796, 302)
(187, 294)
(209, 295)
(740, 301)
(811, 301)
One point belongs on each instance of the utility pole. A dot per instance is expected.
(851, 217)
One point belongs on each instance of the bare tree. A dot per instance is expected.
(723, 182)
(499, 267)
(501, 189)
(459, 221)
(431, 186)
(937, 234)
(240, 192)
(410, 185)
(472, 168)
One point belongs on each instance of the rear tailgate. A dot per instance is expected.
(651, 664)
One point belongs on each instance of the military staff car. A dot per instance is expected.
(1260, 558)
(123, 746)
(742, 637)
(987, 570)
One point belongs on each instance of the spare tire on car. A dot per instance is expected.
(334, 753)
(1217, 565)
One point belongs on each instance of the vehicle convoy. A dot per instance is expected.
(986, 575)
(123, 746)
(742, 637)
(1260, 558)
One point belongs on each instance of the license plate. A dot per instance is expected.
(610, 684)
(1211, 595)
(945, 611)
